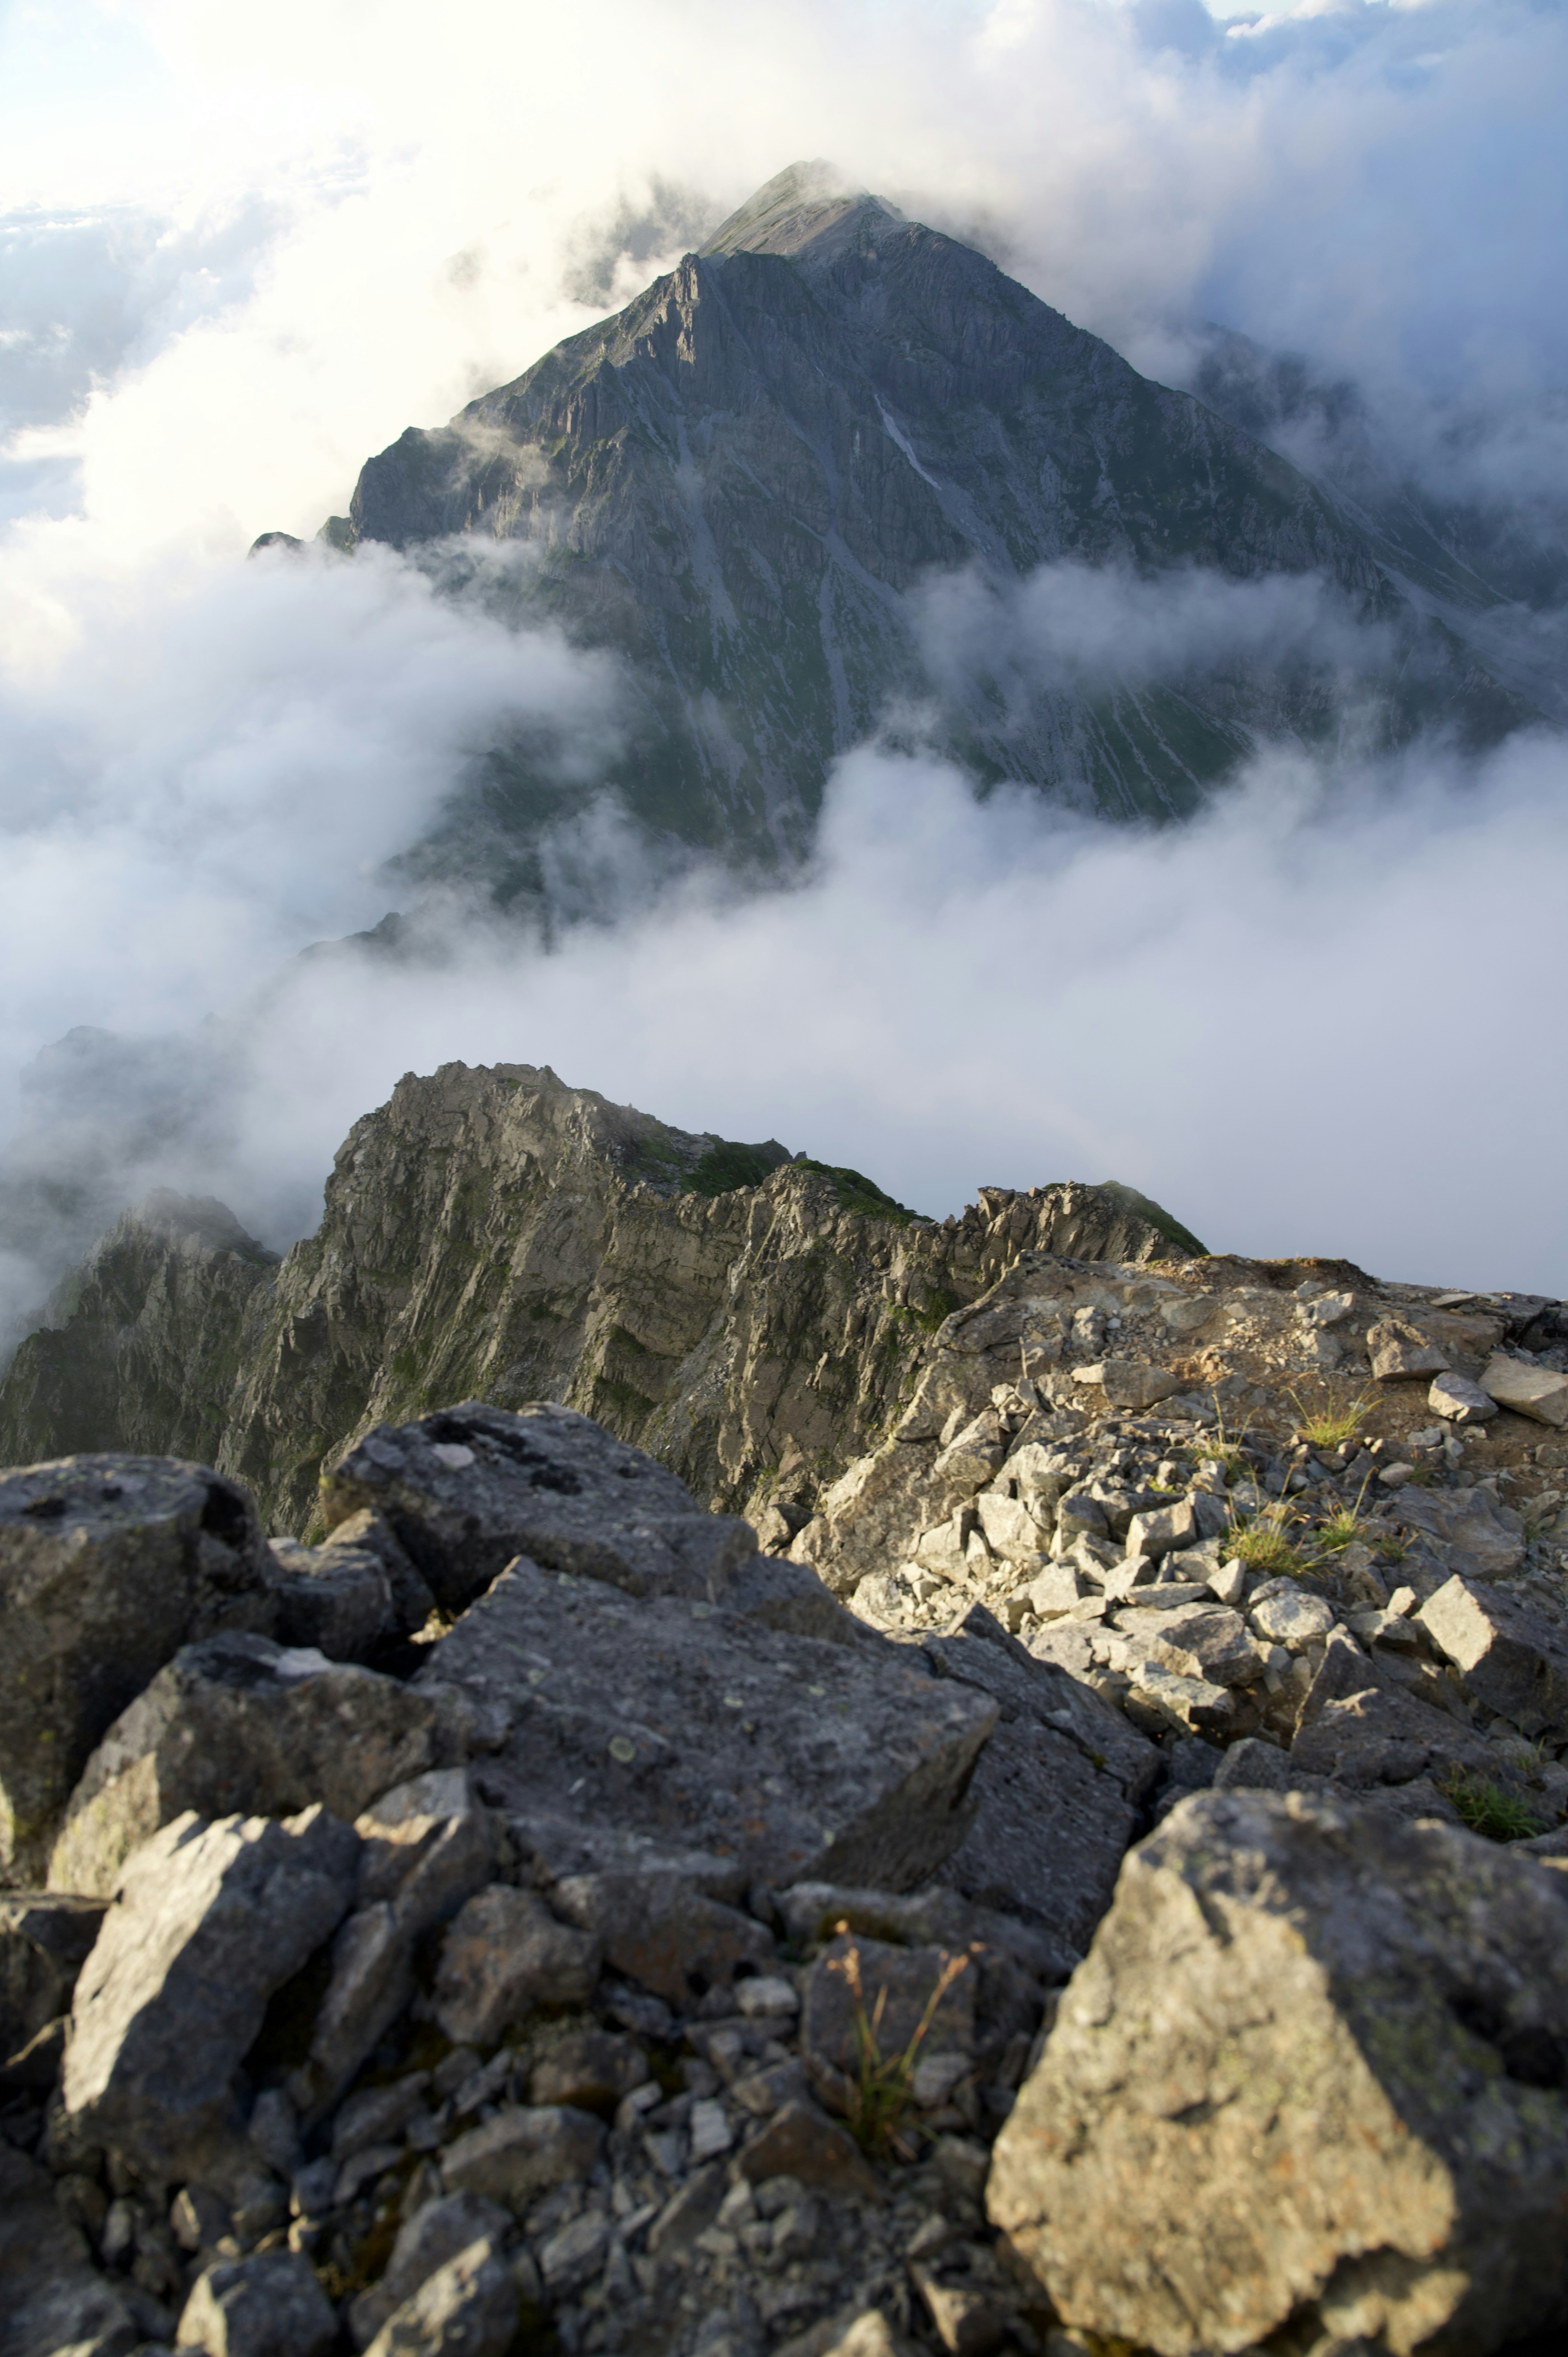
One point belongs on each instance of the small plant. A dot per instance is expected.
(1265, 1545)
(1487, 1808)
(881, 2092)
(1327, 1427)
(1343, 1528)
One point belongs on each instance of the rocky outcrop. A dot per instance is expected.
(738, 484)
(495, 1235)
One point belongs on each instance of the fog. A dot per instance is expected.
(240, 251)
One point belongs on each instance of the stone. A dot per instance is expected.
(425, 1848)
(337, 1601)
(971, 1457)
(1252, 1765)
(504, 1955)
(968, 2324)
(207, 1921)
(1540, 1392)
(1327, 1309)
(801, 2142)
(1401, 1353)
(1079, 1514)
(365, 1533)
(1327, 2043)
(1129, 1383)
(52, 2299)
(664, 1931)
(376, 2114)
(1229, 1584)
(1136, 1572)
(682, 1725)
(107, 1566)
(1213, 1645)
(590, 2069)
(522, 2151)
(1291, 1617)
(1191, 1705)
(468, 2308)
(1380, 1735)
(44, 1941)
(1510, 1658)
(268, 2306)
(466, 1490)
(439, 2231)
(1162, 1530)
(240, 1726)
(1467, 1530)
(1459, 1401)
(1011, 1531)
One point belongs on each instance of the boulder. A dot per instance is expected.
(1163, 1529)
(52, 2299)
(503, 1954)
(438, 2232)
(1167, 1700)
(1211, 1645)
(660, 1930)
(1129, 1383)
(43, 1943)
(1284, 1614)
(238, 1725)
(366, 1533)
(1540, 1392)
(466, 1490)
(684, 1727)
(267, 2306)
(338, 1600)
(1313, 2070)
(1400, 1352)
(107, 1566)
(1459, 1401)
(1509, 1657)
(207, 1921)
(1467, 1530)
(467, 2308)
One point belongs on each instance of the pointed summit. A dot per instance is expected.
(806, 210)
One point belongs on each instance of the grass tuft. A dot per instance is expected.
(1326, 1426)
(1488, 1809)
(882, 2089)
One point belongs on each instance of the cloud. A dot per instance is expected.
(1311, 1020)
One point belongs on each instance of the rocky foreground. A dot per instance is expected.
(1098, 1883)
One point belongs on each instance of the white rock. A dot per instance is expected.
(1536, 1391)
(1458, 1399)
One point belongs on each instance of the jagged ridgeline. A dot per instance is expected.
(741, 485)
(753, 1320)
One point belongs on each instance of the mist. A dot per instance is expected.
(240, 252)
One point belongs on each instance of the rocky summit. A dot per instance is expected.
(745, 488)
(637, 1749)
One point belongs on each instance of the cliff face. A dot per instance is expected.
(741, 481)
(754, 1323)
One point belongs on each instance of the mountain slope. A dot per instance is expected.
(495, 1235)
(741, 482)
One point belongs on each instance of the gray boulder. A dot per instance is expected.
(1313, 2069)
(467, 2308)
(504, 1955)
(466, 1490)
(688, 1727)
(663, 1931)
(522, 2150)
(1508, 1656)
(52, 2299)
(1466, 1529)
(43, 1943)
(107, 1566)
(208, 1919)
(268, 2306)
(240, 1725)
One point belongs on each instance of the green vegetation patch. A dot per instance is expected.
(861, 1195)
(726, 1166)
(1491, 1810)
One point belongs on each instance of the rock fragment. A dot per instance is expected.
(467, 2308)
(1459, 1401)
(45, 1938)
(504, 1955)
(1540, 1392)
(1401, 1351)
(1509, 1657)
(522, 2150)
(267, 2306)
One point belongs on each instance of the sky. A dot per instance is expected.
(242, 249)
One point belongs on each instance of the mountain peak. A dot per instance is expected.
(809, 208)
